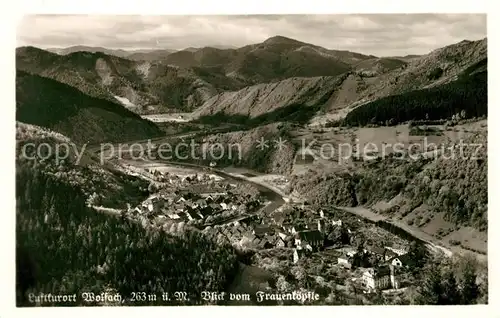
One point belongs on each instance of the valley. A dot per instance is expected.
(280, 166)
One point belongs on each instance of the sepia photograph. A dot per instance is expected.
(251, 160)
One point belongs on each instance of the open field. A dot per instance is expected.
(334, 149)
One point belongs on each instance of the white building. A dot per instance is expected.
(381, 278)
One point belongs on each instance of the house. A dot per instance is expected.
(272, 239)
(150, 207)
(178, 207)
(256, 241)
(224, 205)
(201, 203)
(347, 256)
(209, 199)
(389, 255)
(282, 235)
(249, 236)
(189, 215)
(179, 198)
(262, 243)
(214, 206)
(379, 252)
(241, 230)
(280, 242)
(189, 204)
(287, 227)
(312, 240)
(351, 252)
(345, 260)
(298, 254)
(173, 216)
(398, 251)
(232, 231)
(377, 278)
(161, 219)
(381, 277)
(337, 223)
(226, 232)
(402, 261)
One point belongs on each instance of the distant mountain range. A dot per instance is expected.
(366, 81)
(133, 54)
(279, 73)
(159, 80)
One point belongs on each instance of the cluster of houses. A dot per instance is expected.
(253, 232)
(258, 236)
(188, 206)
(383, 264)
(264, 233)
(174, 179)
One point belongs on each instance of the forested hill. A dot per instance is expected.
(108, 187)
(457, 188)
(64, 247)
(469, 93)
(48, 103)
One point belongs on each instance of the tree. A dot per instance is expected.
(152, 188)
(470, 289)
(338, 236)
(450, 294)
(431, 291)
(418, 253)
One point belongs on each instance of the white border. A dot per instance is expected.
(9, 22)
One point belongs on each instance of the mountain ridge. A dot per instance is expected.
(48, 103)
(361, 85)
(189, 80)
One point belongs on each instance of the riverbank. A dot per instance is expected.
(432, 243)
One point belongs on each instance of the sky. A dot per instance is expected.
(376, 34)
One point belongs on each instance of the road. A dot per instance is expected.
(431, 242)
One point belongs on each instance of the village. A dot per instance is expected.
(296, 235)
(197, 200)
(236, 214)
